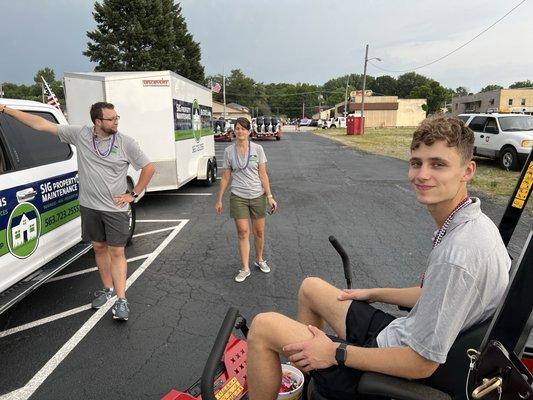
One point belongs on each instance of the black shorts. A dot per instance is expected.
(105, 226)
(363, 324)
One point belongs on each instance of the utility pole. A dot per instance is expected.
(224, 91)
(303, 110)
(346, 96)
(364, 87)
(1, 91)
(363, 94)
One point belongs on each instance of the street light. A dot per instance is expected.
(364, 87)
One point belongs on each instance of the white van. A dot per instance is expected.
(169, 115)
(40, 230)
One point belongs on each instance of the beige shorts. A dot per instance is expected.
(241, 208)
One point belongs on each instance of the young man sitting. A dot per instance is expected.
(465, 278)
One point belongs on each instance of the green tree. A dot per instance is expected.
(407, 82)
(490, 88)
(521, 84)
(384, 85)
(461, 91)
(435, 94)
(47, 73)
(242, 90)
(143, 35)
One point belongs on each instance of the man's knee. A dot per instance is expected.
(261, 328)
(243, 233)
(116, 252)
(310, 287)
(99, 247)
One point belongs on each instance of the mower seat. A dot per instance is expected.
(446, 383)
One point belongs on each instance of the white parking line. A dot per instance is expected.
(88, 270)
(404, 189)
(152, 232)
(158, 220)
(181, 194)
(38, 379)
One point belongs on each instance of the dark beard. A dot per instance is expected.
(109, 131)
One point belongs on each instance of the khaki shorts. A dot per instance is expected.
(240, 208)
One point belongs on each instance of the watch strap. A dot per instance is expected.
(340, 354)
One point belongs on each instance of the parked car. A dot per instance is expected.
(305, 122)
(338, 122)
(504, 137)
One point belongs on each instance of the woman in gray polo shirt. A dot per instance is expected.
(245, 167)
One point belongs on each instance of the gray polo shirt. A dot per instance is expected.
(465, 279)
(101, 178)
(245, 181)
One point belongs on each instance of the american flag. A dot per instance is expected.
(50, 96)
(216, 88)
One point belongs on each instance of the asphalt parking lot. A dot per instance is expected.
(181, 268)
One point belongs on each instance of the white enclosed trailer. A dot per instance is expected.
(170, 116)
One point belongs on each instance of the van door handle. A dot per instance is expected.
(481, 136)
(26, 195)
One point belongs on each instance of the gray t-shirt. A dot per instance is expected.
(465, 279)
(246, 182)
(102, 178)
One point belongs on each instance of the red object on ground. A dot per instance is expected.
(354, 125)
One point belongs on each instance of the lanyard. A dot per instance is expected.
(106, 153)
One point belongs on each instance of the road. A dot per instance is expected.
(182, 266)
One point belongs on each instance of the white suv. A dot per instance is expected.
(505, 137)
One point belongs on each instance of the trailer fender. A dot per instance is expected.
(202, 166)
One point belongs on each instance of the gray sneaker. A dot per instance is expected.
(242, 275)
(120, 310)
(101, 297)
(263, 266)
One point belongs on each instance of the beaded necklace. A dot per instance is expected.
(238, 160)
(105, 153)
(439, 233)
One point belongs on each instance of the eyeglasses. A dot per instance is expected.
(117, 118)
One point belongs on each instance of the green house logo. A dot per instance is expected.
(23, 230)
(196, 121)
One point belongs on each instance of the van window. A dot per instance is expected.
(463, 118)
(491, 126)
(477, 124)
(29, 148)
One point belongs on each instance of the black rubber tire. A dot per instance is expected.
(214, 172)
(333, 126)
(278, 138)
(208, 181)
(509, 159)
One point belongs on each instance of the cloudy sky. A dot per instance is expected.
(298, 40)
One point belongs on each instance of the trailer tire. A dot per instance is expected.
(215, 172)
(209, 174)
(278, 138)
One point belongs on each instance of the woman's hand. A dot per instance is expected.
(357, 294)
(218, 207)
(272, 204)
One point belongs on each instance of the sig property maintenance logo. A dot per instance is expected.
(23, 230)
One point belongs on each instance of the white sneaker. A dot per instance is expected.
(242, 275)
(263, 266)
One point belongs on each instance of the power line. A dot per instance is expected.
(453, 51)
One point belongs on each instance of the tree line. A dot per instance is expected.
(152, 35)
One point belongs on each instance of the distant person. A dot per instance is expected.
(104, 155)
(245, 167)
(466, 277)
(297, 125)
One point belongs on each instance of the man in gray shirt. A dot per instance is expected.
(103, 155)
(465, 279)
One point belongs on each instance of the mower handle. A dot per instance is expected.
(208, 376)
(345, 260)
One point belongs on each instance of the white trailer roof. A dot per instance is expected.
(112, 76)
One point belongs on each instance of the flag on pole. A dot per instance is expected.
(50, 96)
(216, 88)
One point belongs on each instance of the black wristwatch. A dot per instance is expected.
(135, 195)
(340, 354)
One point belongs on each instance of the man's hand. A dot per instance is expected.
(316, 353)
(123, 199)
(272, 204)
(357, 294)
(218, 207)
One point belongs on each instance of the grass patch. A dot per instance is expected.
(394, 142)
